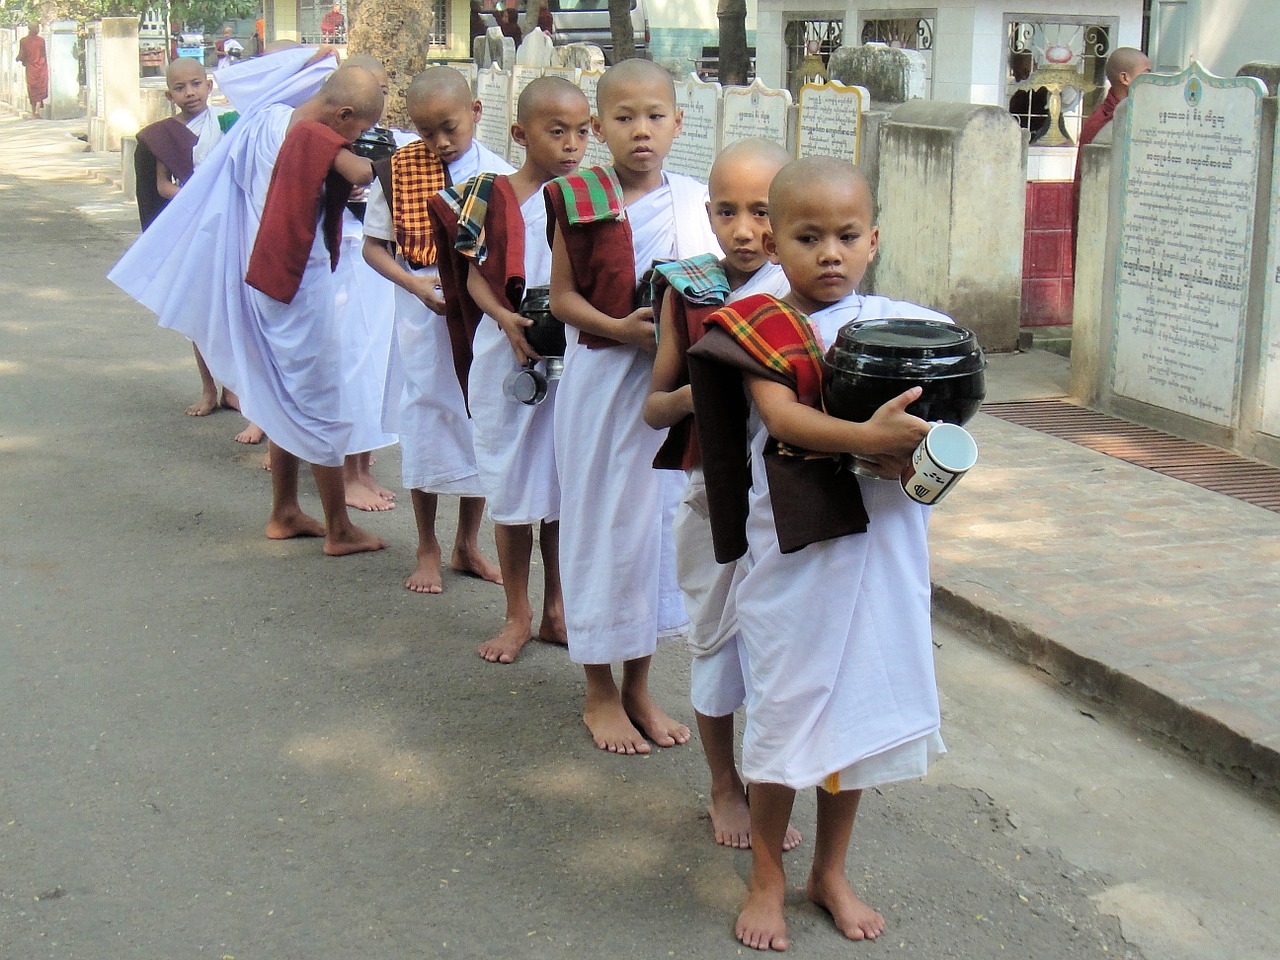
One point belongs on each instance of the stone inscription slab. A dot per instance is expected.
(754, 111)
(597, 154)
(1269, 420)
(695, 149)
(1191, 149)
(521, 76)
(830, 120)
(494, 128)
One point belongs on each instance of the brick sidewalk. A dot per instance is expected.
(1142, 591)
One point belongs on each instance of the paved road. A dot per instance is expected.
(214, 745)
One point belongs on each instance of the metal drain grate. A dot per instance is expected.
(1209, 467)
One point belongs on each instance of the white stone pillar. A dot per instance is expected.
(118, 58)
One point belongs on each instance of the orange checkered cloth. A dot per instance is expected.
(417, 175)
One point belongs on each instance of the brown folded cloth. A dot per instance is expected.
(302, 177)
(170, 142)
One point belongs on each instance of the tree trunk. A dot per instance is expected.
(734, 61)
(624, 38)
(398, 33)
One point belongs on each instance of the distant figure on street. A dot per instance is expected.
(31, 54)
(1124, 64)
(228, 47)
(333, 28)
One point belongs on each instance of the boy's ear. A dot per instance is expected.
(770, 245)
(477, 108)
(707, 205)
(875, 244)
(596, 128)
(168, 95)
(518, 135)
(679, 122)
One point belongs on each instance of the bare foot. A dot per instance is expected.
(506, 646)
(377, 488)
(655, 723)
(473, 563)
(426, 576)
(266, 461)
(612, 730)
(207, 403)
(552, 629)
(362, 498)
(230, 400)
(852, 917)
(761, 924)
(731, 822)
(354, 540)
(250, 434)
(294, 525)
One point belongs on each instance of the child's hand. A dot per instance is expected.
(894, 434)
(426, 287)
(637, 329)
(514, 325)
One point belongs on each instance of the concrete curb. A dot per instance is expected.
(1207, 738)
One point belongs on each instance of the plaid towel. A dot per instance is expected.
(416, 175)
(701, 280)
(470, 203)
(779, 338)
(591, 195)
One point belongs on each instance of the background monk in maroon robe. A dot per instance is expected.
(31, 55)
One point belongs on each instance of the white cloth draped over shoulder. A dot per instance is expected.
(189, 269)
(841, 685)
(617, 555)
(515, 446)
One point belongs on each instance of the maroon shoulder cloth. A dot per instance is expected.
(680, 450)
(813, 498)
(600, 254)
(303, 176)
(170, 142)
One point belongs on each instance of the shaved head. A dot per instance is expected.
(634, 73)
(353, 87)
(368, 62)
(1124, 64)
(546, 94)
(799, 179)
(437, 83)
(183, 67)
(754, 153)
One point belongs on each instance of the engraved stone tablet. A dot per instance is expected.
(695, 149)
(1269, 375)
(754, 111)
(597, 154)
(1186, 231)
(494, 128)
(521, 76)
(830, 120)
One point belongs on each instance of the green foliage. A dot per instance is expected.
(206, 15)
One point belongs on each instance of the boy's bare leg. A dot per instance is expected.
(426, 576)
(761, 924)
(730, 815)
(604, 715)
(208, 389)
(467, 557)
(287, 519)
(364, 461)
(515, 548)
(341, 536)
(552, 629)
(828, 886)
(230, 400)
(644, 713)
(358, 495)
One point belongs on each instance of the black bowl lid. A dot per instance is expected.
(906, 338)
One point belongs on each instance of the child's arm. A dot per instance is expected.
(358, 170)
(884, 442)
(667, 404)
(164, 181)
(573, 308)
(377, 253)
(512, 324)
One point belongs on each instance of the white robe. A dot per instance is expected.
(423, 399)
(617, 555)
(514, 442)
(717, 681)
(189, 269)
(208, 132)
(838, 637)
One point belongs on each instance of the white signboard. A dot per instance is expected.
(829, 121)
(494, 128)
(597, 154)
(754, 111)
(1186, 232)
(695, 149)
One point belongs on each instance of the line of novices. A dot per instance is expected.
(826, 644)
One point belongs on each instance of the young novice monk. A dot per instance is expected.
(502, 240)
(834, 610)
(437, 449)
(168, 152)
(610, 225)
(739, 211)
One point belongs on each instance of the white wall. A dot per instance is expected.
(1221, 34)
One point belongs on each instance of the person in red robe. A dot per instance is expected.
(333, 26)
(31, 54)
(1124, 64)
